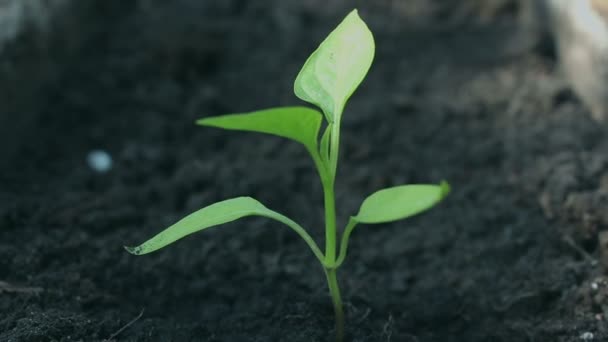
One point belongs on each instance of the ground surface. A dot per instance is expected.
(511, 255)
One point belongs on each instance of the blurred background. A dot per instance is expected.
(503, 98)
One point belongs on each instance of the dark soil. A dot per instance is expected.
(457, 92)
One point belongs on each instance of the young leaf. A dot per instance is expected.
(333, 72)
(324, 145)
(297, 123)
(393, 204)
(216, 214)
(399, 202)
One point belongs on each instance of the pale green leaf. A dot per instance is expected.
(297, 123)
(333, 72)
(216, 214)
(399, 202)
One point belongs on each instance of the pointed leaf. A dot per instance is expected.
(297, 123)
(400, 202)
(333, 72)
(216, 214)
(213, 215)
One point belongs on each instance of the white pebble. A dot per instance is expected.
(587, 336)
(594, 286)
(99, 160)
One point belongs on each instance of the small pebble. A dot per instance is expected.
(594, 286)
(99, 161)
(587, 336)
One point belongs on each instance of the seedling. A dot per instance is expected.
(329, 77)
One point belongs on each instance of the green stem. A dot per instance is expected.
(327, 172)
(334, 290)
(330, 224)
(330, 230)
(344, 243)
(300, 231)
(327, 182)
(334, 149)
(330, 198)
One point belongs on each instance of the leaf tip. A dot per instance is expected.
(354, 15)
(134, 250)
(445, 188)
(201, 122)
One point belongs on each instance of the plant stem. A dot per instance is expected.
(334, 290)
(330, 198)
(330, 223)
(327, 181)
(327, 172)
(334, 149)
(330, 230)
(330, 252)
(344, 243)
(300, 231)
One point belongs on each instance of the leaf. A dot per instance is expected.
(216, 214)
(324, 146)
(399, 202)
(297, 123)
(333, 72)
(213, 215)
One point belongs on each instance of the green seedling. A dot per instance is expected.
(329, 77)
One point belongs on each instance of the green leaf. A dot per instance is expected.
(324, 146)
(216, 214)
(213, 215)
(298, 123)
(400, 202)
(333, 72)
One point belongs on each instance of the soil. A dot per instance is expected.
(457, 91)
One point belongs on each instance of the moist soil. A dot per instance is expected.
(458, 91)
